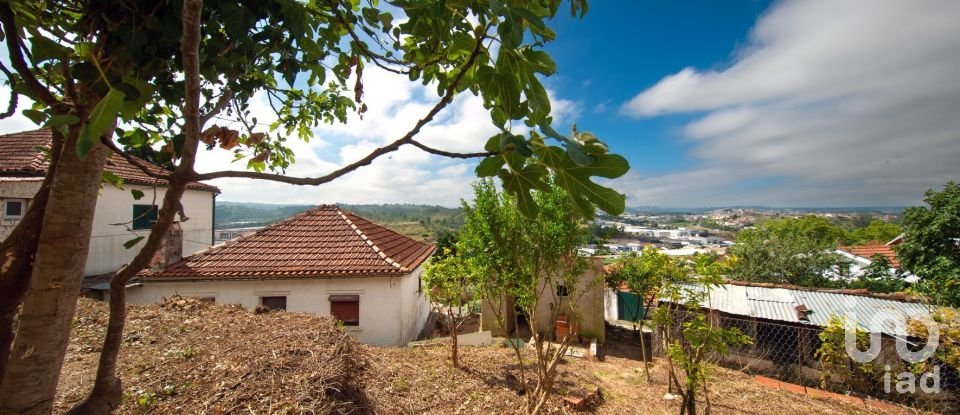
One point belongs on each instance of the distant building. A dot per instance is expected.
(862, 256)
(118, 218)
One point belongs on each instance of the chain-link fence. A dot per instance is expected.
(815, 357)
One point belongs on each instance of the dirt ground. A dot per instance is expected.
(221, 359)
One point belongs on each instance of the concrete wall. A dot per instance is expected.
(589, 298)
(107, 253)
(588, 311)
(610, 305)
(116, 206)
(392, 312)
(16, 188)
(414, 307)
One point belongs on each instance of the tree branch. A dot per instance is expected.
(394, 146)
(12, 108)
(16, 57)
(222, 103)
(449, 154)
(132, 160)
(375, 58)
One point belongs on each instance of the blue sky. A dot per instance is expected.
(622, 48)
(714, 103)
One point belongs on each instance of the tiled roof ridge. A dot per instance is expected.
(358, 247)
(897, 296)
(234, 241)
(369, 242)
(24, 158)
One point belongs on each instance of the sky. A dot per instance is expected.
(797, 103)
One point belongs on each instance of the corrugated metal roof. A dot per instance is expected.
(780, 304)
(866, 311)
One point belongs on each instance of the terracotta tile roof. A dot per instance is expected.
(24, 153)
(868, 251)
(323, 242)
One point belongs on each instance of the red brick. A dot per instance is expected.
(768, 382)
(793, 388)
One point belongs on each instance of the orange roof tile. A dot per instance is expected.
(323, 242)
(24, 153)
(868, 251)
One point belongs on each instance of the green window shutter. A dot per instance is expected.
(144, 216)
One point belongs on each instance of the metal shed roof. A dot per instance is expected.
(780, 304)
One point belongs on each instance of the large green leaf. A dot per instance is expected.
(538, 99)
(102, 118)
(489, 166)
(519, 183)
(576, 179)
(43, 49)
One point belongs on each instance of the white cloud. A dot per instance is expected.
(16, 122)
(838, 103)
(406, 176)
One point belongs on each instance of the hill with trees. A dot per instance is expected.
(423, 222)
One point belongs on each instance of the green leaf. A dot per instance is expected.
(511, 34)
(137, 194)
(142, 98)
(103, 116)
(61, 120)
(131, 243)
(43, 49)
(35, 115)
(540, 61)
(538, 99)
(576, 179)
(489, 166)
(112, 178)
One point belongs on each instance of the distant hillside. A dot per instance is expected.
(422, 222)
(242, 215)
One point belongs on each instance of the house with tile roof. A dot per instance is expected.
(325, 260)
(119, 216)
(860, 257)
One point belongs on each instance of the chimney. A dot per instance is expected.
(171, 251)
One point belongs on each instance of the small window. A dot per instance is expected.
(14, 209)
(346, 308)
(144, 216)
(562, 291)
(274, 303)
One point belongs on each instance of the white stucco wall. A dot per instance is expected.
(107, 253)
(22, 189)
(116, 206)
(610, 304)
(392, 312)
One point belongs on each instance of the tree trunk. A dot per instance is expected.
(107, 392)
(33, 369)
(453, 342)
(18, 252)
(643, 354)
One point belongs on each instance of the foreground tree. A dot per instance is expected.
(931, 244)
(691, 337)
(520, 264)
(91, 65)
(644, 275)
(448, 286)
